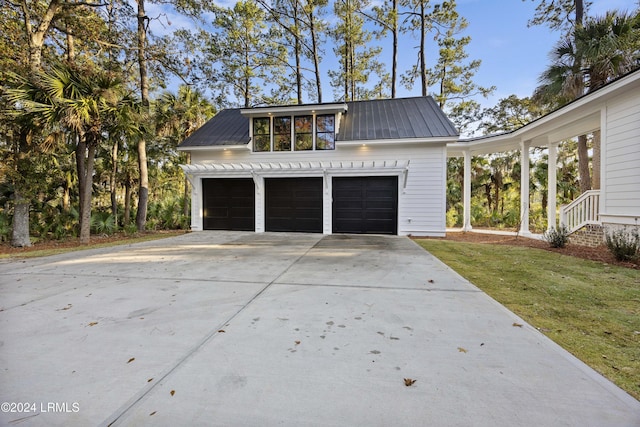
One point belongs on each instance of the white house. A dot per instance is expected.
(379, 166)
(375, 166)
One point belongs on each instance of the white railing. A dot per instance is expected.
(582, 211)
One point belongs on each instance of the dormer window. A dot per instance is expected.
(308, 133)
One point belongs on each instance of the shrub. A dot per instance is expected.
(557, 237)
(624, 245)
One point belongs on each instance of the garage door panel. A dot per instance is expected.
(228, 204)
(365, 205)
(293, 204)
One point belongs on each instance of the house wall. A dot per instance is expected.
(620, 204)
(421, 196)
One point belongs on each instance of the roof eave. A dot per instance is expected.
(216, 148)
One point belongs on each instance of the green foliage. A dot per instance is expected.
(557, 237)
(103, 223)
(624, 244)
(5, 227)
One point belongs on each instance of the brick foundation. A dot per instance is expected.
(590, 235)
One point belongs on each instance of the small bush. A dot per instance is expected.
(557, 237)
(624, 245)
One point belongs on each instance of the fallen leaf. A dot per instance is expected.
(462, 350)
(153, 413)
(431, 281)
(221, 331)
(297, 342)
(149, 380)
(131, 360)
(409, 382)
(93, 323)
(517, 325)
(172, 392)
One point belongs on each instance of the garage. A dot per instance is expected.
(365, 205)
(293, 204)
(228, 204)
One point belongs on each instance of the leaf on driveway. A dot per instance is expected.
(431, 281)
(462, 350)
(172, 392)
(409, 382)
(65, 308)
(93, 323)
(131, 360)
(149, 380)
(153, 413)
(222, 331)
(297, 342)
(517, 325)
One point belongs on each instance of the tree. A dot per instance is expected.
(357, 60)
(37, 19)
(563, 80)
(79, 104)
(246, 50)
(177, 117)
(386, 17)
(610, 47)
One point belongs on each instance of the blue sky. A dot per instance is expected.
(513, 55)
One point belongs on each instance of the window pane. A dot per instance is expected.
(282, 142)
(304, 124)
(282, 133)
(325, 141)
(261, 126)
(325, 123)
(261, 143)
(304, 141)
(282, 125)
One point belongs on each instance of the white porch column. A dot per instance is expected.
(466, 193)
(524, 188)
(552, 186)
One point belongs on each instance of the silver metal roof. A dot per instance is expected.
(380, 119)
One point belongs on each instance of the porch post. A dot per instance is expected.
(466, 193)
(524, 188)
(552, 185)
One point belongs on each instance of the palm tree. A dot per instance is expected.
(177, 117)
(79, 104)
(610, 47)
(594, 54)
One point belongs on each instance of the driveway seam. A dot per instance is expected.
(329, 285)
(121, 413)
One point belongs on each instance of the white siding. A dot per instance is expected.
(421, 200)
(621, 159)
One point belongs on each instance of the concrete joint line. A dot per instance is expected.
(385, 288)
(121, 413)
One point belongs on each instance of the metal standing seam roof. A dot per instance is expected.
(398, 118)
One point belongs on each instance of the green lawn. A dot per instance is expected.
(589, 308)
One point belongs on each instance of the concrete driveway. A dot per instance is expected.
(244, 329)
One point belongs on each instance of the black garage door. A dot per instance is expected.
(293, 204)
(228, 204)
(365, 205)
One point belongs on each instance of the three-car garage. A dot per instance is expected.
(359, 204)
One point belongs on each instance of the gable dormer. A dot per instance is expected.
(294, 128)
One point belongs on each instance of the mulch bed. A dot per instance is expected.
(599, 254)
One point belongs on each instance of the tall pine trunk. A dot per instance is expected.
(143, 189)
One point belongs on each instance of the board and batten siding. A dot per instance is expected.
(621, 161)
(421, 198)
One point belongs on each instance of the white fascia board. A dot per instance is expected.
(242, 147)
(295, 109)
(397, 141)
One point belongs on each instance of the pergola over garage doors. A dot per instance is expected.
(300, 196)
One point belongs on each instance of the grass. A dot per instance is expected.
(589, 308)
(52, 249)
